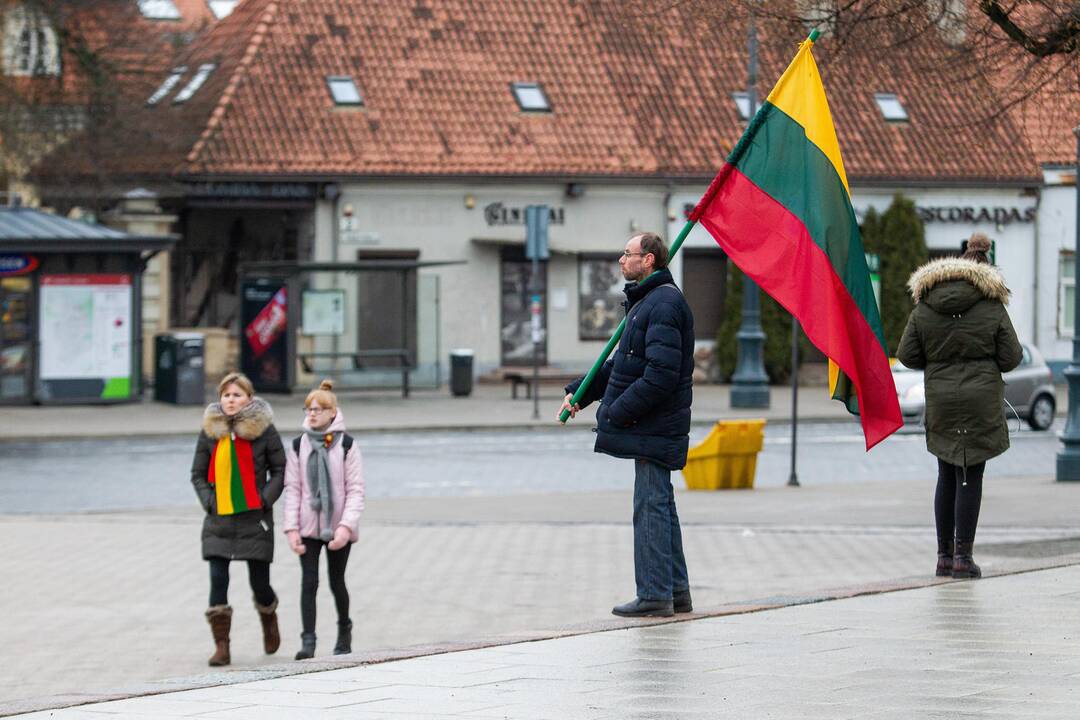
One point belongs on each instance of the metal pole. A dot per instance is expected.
(1068, 458)
(793, 478)
(749, 383)
(535, 325)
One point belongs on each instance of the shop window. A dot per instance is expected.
(1066, 293)
(600, 296)
(30, 43)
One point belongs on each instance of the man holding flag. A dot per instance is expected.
(644, 415)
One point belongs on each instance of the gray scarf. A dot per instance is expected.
(318, 477)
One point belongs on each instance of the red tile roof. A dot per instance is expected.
(629, 99)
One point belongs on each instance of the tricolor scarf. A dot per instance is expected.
(232, 473)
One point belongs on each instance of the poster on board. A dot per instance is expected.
(85, 330)
(264, 349)
(323, 312)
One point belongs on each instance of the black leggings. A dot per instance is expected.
(956, 504)
(258, 576)
(336, 560)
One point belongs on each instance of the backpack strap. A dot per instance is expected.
(346, 444)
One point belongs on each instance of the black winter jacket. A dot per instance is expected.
(646, 386)
(247, 535)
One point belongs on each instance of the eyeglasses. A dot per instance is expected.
(314, 410)
(627, 253)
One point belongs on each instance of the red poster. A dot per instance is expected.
(268, 325)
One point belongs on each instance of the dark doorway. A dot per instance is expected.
(386, 305)
(705, 287)
(515, 324)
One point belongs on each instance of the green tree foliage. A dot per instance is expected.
(775, 321)
(898, 238)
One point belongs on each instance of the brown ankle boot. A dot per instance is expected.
(268, 618)
(963, 565)
(220, 619)
(944, 557)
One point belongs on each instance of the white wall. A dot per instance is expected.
(1056, 232)
(434, 219)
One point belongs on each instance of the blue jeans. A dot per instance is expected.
(659, 564)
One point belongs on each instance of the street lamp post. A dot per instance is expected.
(749, 383)
(1068, 458)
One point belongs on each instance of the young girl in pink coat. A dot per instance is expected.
(324, 496)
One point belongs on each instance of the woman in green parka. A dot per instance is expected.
(960, 335)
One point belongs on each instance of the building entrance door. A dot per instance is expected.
(16, 346)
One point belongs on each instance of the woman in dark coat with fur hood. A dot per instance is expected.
(238, 473)
(960, 334)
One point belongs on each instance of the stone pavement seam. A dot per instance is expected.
(232, 677)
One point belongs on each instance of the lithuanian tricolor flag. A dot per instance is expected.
(780, 208)
(232, 473)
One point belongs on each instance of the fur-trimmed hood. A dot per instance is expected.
(979, 281)
(248, 423)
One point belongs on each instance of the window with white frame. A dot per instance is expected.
(1066, 293)
(30, 43)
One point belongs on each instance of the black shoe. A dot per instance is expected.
(644, 608)
(307, 646)
(344, 638)
(682, 602)
(963, 565)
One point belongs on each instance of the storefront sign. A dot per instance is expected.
(968, 214)
(16, 264)
(498, 214)
(253, 191)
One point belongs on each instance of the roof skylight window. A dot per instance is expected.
(166, 86)
(222, 8)
(195, 83)
(344, 90)
(530, 97)
(742, 102)
(159, 9)
(891, 107)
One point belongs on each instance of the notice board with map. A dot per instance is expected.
(86, 335)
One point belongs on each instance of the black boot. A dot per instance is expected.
(963, 565)
(682, 602)
(344, 638)
(307, 646)
(944, 557)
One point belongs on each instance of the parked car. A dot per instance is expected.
(1029, 389)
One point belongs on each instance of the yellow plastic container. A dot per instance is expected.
(727, 458)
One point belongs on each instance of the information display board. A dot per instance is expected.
(264, 350)
(323, 312)
(85, 332)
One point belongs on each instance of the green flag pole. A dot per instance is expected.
(584, 387)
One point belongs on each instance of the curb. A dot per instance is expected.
(305, 667)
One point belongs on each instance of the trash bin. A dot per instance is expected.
(727, 458)
(461, 372)
(179, 373)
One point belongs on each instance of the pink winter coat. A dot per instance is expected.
(346, 486)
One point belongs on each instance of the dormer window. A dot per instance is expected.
(167, 86)
(530, 97)
(195, 83)
(344, 91)
(30, 44)
(891, 108)
(222, 8)
(159, 10)
(742, 104)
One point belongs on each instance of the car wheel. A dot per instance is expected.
(1042, 413)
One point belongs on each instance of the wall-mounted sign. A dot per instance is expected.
(968, 214)
(253, 191)
(322, 312)
(498, 214)
(17, 264)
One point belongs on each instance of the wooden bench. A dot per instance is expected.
(360, 361)
(523, 377)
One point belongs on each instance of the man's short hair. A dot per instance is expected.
(653, 243)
